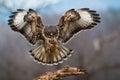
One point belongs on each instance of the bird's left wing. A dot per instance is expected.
(28, 23)
(74, 21)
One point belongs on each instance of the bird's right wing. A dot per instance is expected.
(28, 23)
(74, 21)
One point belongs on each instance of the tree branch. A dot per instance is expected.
(56, 75)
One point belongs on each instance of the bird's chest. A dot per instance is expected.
(52, 47)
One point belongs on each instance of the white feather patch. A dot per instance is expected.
(86, 18)
(19, 19)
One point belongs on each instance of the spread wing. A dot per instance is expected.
(74, 21)
(28, 23)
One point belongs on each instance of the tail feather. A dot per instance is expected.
(41, 56)
(65, 52)
(35, 51)
(37, 54)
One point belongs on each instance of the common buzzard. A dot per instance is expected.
(51, 49)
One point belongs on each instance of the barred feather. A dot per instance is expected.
(40, 55)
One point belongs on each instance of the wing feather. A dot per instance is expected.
(74, 21)
(28, 23)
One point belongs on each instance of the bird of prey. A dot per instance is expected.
(51, 50)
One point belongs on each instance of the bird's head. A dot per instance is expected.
(51, 32)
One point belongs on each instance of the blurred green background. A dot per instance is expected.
(96, 50)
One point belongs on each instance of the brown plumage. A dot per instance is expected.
(51, 50)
